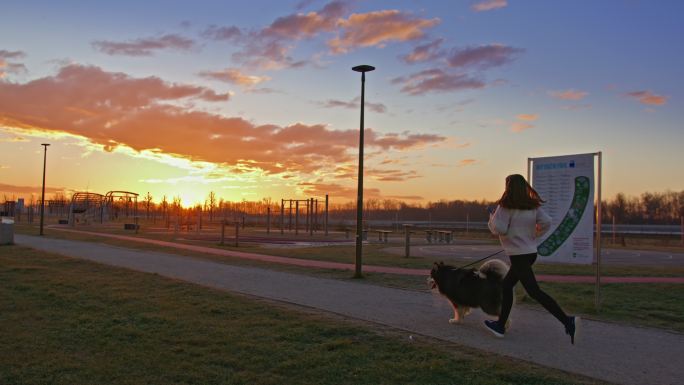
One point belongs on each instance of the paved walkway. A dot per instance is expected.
(611, 352)
(366, 268)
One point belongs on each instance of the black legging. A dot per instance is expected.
(521, 270)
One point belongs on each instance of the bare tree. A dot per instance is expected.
(212, 205)
(148, 202)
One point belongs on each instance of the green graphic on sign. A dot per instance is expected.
(571, 219)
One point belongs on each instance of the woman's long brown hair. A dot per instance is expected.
(519, 194)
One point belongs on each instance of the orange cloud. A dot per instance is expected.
(144, 46)
(528, 117)
(234, 76)
(377, 29)
(269, 47)
(436, 80)
(520, 126)
(488, 5)
(466, 162)
(647, 97)
(569, 94)
(301, 26)
(115, 110)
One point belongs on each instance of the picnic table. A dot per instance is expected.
(382, 235)
(439, 236)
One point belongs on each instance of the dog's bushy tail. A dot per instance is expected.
(494, 269)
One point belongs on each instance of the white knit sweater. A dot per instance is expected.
(518, 230)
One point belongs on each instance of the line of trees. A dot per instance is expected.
(665, 208)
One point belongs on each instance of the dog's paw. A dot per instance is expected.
(454, 321)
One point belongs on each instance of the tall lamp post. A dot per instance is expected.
(359, 202)
(42, 199)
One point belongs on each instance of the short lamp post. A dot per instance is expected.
(42, 199)
(359, 202)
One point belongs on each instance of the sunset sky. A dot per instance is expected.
(257, 99)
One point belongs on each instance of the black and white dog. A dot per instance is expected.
(470, 288)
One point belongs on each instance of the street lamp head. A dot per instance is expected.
(45, 144)
(363, 68)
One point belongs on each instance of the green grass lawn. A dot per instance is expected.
(67, 321)
(653, 305)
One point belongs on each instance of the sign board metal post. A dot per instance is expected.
(566, 182)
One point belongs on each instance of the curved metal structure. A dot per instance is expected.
(122, 203)
(86, 205)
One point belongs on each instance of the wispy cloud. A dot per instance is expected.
(466, 162)
(528, 117)
(394, 175)
(4, 54)
(376, 29)
(463, 71)
(227, 33)
(436, 80)
(144, 46)
(354, 104)
(520, 126)
(234, 76)
(573, 107)
(523, 122)
(569, 94)
(483, 57)
(648, 97)
(6, 67)
(488, 5)
(270, 47)
(303, 26)
(425, 52)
